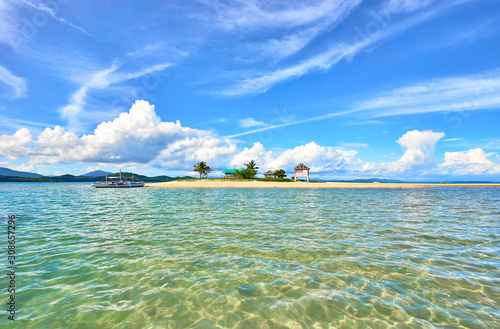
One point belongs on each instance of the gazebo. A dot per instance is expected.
(269, 174)
(302, 171)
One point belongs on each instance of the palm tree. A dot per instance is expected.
(252, 166)
(202, 168)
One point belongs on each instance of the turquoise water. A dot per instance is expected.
(253, 258)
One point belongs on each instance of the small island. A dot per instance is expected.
(246, 178)
(262, 183)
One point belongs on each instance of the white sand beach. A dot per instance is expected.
(220, 183)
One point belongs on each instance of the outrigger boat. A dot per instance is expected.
(118, 182)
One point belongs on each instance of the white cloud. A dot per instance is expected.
(257, 153)
(100, 80)
(481, 91)
(17, 84)
(52, 14)
(15, 146)
(134, 137)
(139, 138)
(24, 167)
(267, 80)
(9, 23)
(255, 14)
(184, 153)
(472, 162)
(288, 44)
(419, 147)
(251, 122)
(291, 123)
(366, 122)
(17, 26)
(398, 6)
(354, 145)
(323, 159)
(467, 93)
(263, 81)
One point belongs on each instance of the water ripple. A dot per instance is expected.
(250, 258)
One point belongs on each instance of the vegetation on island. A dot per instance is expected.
(7, 179)
(246, 173)
(249, 172)
(241, 174)
(280, 173)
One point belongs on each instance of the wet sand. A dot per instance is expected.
(219, 183)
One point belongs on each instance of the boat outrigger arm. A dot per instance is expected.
(118, 182)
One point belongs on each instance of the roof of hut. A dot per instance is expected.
(302, 166)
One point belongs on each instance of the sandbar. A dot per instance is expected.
(222, 183)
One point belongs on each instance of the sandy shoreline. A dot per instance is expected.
(265, 184)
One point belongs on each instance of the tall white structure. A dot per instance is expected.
(302, 171)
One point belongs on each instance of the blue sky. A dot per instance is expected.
(399, 89)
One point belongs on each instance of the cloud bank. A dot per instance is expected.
(140, 138)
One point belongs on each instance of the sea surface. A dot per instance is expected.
(252, 258)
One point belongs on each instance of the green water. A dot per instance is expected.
(253, 258)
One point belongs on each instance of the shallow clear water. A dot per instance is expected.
(253, 258)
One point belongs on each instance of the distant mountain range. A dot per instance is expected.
(15, 173)
(97, 173)
(9, 175)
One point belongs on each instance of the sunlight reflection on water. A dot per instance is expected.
(255, 258)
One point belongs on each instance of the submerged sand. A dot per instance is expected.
(220, 183)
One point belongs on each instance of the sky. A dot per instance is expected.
(396, 89)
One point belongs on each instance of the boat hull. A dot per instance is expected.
(112, 185)
(118, 182)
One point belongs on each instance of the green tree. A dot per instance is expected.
(280, 173)
(246, 173)
(252, 166)
(202, 168)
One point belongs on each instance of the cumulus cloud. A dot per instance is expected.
(137, 136)
(472, 162)
(419, 146)
(182, 154)
(15, 146)
(321, 159)
(140, 138)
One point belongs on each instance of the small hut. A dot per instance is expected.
(229, 173)
(269, 174)
(302, 171)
